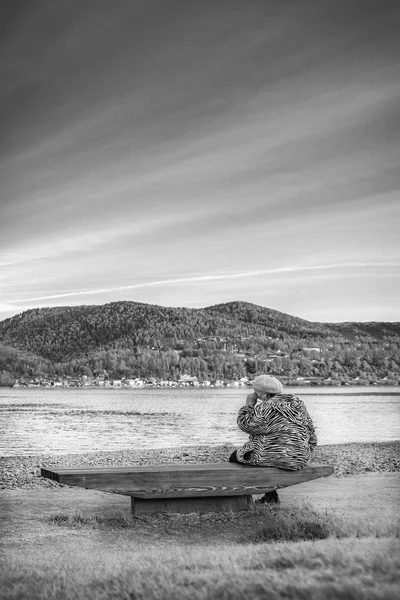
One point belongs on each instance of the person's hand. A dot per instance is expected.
(251, 399)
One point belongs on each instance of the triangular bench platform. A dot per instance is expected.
(185, 488)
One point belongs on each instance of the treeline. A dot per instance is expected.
(228, 341)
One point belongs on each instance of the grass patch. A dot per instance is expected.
(330, 569)
(304, 525)
(263, 523)
(281, 552)
(78, 520)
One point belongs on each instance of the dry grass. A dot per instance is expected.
(342, 560)
(78, 520)
(289, 552)
(350, 569)
(304, 523)
(264, 523)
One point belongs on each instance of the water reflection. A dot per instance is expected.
(34, 421)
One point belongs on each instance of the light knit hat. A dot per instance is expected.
(265, 384)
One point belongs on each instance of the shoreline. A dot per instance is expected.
(23, 472)
(354, 385)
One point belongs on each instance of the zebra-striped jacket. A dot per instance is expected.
(281, 432)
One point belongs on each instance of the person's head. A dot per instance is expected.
(266, 386)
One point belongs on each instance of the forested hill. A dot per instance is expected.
(285, 324)
(65, 333)
(133, 339)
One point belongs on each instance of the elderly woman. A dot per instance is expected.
(281, 430)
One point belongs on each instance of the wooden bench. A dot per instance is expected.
(205, 487)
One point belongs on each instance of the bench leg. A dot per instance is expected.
(141, 506)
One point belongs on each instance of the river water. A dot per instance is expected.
(62, 421)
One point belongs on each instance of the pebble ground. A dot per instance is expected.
(23, 472)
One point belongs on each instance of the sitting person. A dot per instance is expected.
(281, 430)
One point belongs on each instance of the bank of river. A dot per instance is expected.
(20, 472)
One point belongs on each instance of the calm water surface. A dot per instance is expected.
(63, 421)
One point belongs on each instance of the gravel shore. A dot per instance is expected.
(21, 472)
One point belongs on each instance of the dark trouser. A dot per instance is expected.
(269, 497)
(233, 457)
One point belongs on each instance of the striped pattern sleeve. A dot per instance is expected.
(251, 419)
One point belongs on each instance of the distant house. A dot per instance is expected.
(133, 383)
(359, 381)
(188, 379)
(167, 383)
(330, 381)
(219, 383)
(129, 382)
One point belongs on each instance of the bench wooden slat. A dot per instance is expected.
(148, 468)
(184, 481)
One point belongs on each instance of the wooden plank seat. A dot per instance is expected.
(186, 487)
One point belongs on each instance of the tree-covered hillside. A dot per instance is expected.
(225, 341)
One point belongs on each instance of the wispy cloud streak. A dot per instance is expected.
(211, 277)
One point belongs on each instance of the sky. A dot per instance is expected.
(187, 153)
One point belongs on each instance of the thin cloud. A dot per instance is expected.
(217, 277)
